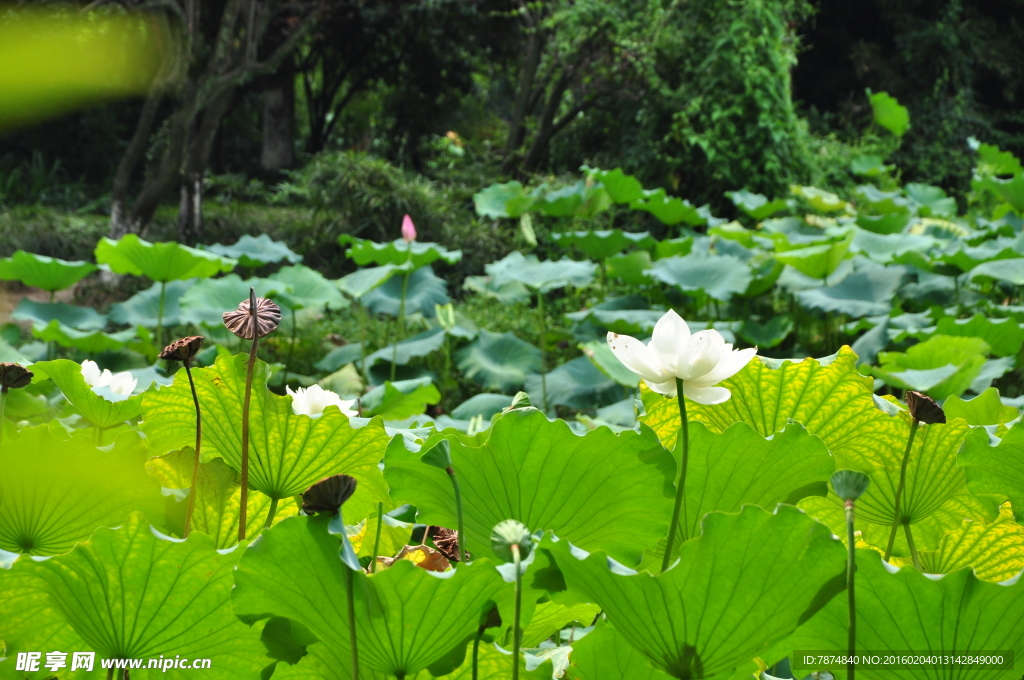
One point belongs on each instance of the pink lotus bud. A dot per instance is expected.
(408, 229)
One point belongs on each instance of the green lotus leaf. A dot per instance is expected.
(932, 201)
(630, 268)
(719, 277)
(498, 361)
(508, 293)
(864, 293)
(935, 499)
(788, 233)
(542, 276)
(40, 271)
(872, 200)
(362, 281)
(869, 165)
(401, 399)
(995, 550)
(577, 383)
(503, 200)
(561, 202)
(143, 308)
(423, 292)
(131, 593)
(540, 473)
(827, 396)
(1003, 336)
(722, 604)
(415, 347)
(42, 313)
(940, 366)
(622, 188)
(668, 209)
(550, 617)
(756, 205)
(818, 262)
(397, 252)
(888, 224)
(820, 200)
(1007, 271)
(287, 454)
(96, 409)
(766, 272)
(766, 334)
(306, 288)
(90, 342)
(484, 405)
(205, 302)
(996, 470)
(605, 655)
(160, 261)
(340, 356)
(55, 492)
(635, 322)
(968, 258)
(909, 610)
(605, 361)
(673, 246)
(885, 248)
(984, 409)
(602, 244)
(252, 252)
(218, 496)
(889, 113)
(294, 571)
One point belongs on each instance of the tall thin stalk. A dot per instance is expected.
(3, 407)
(851, 569)
(476, 652)
(543, 350)
(400, 321)
(352, 640)
(376, 539)
(245, 426)
(463, 553)
(897, 510)
(913, 547)
(272, 512)
(195, 461)
(517, 633)
(684, 444)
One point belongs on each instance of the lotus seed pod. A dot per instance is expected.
(924, 408)
(183, 349)
(13, 376)
(508, 533)
(850, 484)
(328, 495)
(248, 326)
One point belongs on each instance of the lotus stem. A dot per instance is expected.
(272, 512)
(3, 406)
(684, 444)
(476, 652)
(53, 294)
(517, 634)
(851, 569)
(199, 441)
(350, 592)
(399, 325)
(913, 548)
(463, 553)
(245, 419)
(899, 489)
(376, 539)
(543, 350)
(160, 315)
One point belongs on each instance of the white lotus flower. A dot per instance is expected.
(311, 401)
(701, 359)
(119, 383)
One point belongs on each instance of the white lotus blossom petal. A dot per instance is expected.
(123, 383)
(311, 401)
(700, 360)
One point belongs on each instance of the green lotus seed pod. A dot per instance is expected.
(850, 484)
(508, 533)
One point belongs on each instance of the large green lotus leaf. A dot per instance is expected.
(508, 293)
(340, 356)
(827, 396)
(400, 399)
(907, 610)
(756, 205)
(820, 200)
(635, 322)
(143, 308)
(1004, 336)
(766, 272)
(206, 301)
(550, 617)
(160, 261)
(218, 498)
(940, 366)
(483, 404)
(884, 248)
(93, 407)
(498, 361)
(397, 252)
(42, 313)
(601, 355)
(503, 200)
(888, 224)
(288, 453)
(577, 383)
(90, 342)
(404, 351)
(622, 188)
(668, 209)
(871, 199)
(719, 277)
(1007, 271)
(984, 409)
(543, 276)
(723, 603)
(561, 202)
(997, 470)
(933, 499)
(252, 252)
(602, 491)
(865, 293)
(789, 233)
(630, 268)
(604, 655)
(602, 244)
(406, 618)
(423, 293)
(769, 333)
(307, 289)
(362, 281)
(995, 550)
(40, 271)
(932, 201)
(132, 593)
(818, 262)
(889, 113)
(55, 492)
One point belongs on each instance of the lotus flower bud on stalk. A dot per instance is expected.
(850, 485)
(677, 363)
(408, 229)
(923, 409)
(184, 350)
(512, 542)
(255, 318)
(12, 376)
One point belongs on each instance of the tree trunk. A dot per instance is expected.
(517, 126)
(279, 126)
(197, 160)
(190, 209)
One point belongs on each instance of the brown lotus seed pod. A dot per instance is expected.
(13, 376)
(446, 540)
(183, 349)
(924, 408)
(243, 324)
(328, 495)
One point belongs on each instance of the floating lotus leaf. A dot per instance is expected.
(719, 277)
(668, 209)
(542, 474)
(602, 244)
(99, 411)
(287, 454)
(864, 293)
(305, 288)
(206, 301)
(756, 205)
(498, 361)
(55, 492)
(42, 313)
(397, 252)
(423, 292)
(543, 276)
(252, 252)
(503, 200)
(887, 224)
(159, 261)
(722, 604)
(885, 248)
(40, 271)
(143, 308)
